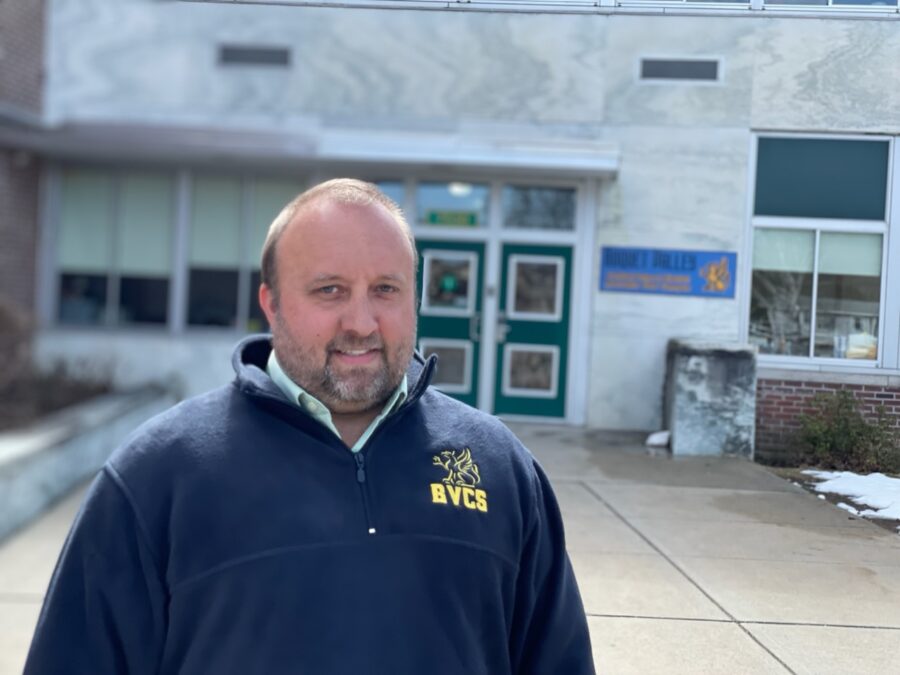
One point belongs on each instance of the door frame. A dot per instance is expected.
(494, 237)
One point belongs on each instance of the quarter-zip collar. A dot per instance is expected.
(249, 363)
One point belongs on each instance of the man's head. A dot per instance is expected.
(338, 288)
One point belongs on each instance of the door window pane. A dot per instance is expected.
(449, 282)
(535, 287)
(821, 178)
(539, 208)
(454, 363)
(452, 204)
(781, 295)
(848, 296)
(530, 370)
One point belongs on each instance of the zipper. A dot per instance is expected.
(361, 479)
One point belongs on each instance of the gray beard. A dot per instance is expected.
(354, 390)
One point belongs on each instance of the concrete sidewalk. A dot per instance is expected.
(685, 566)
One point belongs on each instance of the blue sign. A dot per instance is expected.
(668, 271)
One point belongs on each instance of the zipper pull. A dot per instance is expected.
(360, 467)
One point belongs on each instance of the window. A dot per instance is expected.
(114, 247)
(214, 258)
(540, 208)
(234, 55)
(453, 204)
(115, 240)
(702, 70)
(818, 240)
(269, 196)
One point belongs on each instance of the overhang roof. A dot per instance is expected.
(525, 150)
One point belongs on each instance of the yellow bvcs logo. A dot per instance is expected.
(716, 275)
(458, 487)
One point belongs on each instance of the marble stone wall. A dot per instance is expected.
(685, 148)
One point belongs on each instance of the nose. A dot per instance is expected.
(359, 317)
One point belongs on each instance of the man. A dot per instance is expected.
(327, 512)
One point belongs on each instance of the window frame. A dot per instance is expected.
(889, 299)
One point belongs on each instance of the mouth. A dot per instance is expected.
(356, 356)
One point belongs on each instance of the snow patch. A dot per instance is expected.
(878, 492)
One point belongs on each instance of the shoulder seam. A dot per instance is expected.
(144, 531)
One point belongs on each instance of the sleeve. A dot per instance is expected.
(104, 612)
(550, 632)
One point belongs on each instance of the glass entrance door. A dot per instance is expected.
(533, 330)
(450, 283)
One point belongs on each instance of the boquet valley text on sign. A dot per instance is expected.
(668, 271)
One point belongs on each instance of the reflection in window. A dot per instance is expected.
(448, 283)
(781, 297)
(539, 208)
(451, 367)
(143, 300)
(536, 290)
(84, 245)
(531, 370)
(452, 204)
(848, 295)
(82, 299)
(213, 297)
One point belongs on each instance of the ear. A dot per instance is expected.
(268, 303)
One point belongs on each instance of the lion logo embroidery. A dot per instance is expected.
(461, 470)
(717, 276)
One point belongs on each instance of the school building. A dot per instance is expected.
(585, 180)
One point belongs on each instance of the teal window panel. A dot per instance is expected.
(821, 178)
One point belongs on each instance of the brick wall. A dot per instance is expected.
(22, 53)
(18, 228)
(21, 87)
(780, 402)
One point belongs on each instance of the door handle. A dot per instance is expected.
(475, 327)
(502, 328)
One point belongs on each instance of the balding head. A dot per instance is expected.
(347, 191)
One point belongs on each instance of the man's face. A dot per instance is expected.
(344, 324)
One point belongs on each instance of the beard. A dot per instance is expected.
(347, 390)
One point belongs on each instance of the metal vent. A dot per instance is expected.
(233, 55)
(702, 70)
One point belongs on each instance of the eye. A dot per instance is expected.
(386, 289)
(327, 290)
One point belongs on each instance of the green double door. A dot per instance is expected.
(522, 370)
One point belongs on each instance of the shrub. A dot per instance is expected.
(838, 436)
(26, 394)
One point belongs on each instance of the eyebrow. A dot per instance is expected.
(321, 278)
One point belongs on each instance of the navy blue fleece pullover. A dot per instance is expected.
(235, 534)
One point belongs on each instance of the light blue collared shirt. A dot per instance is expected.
(306, 401)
